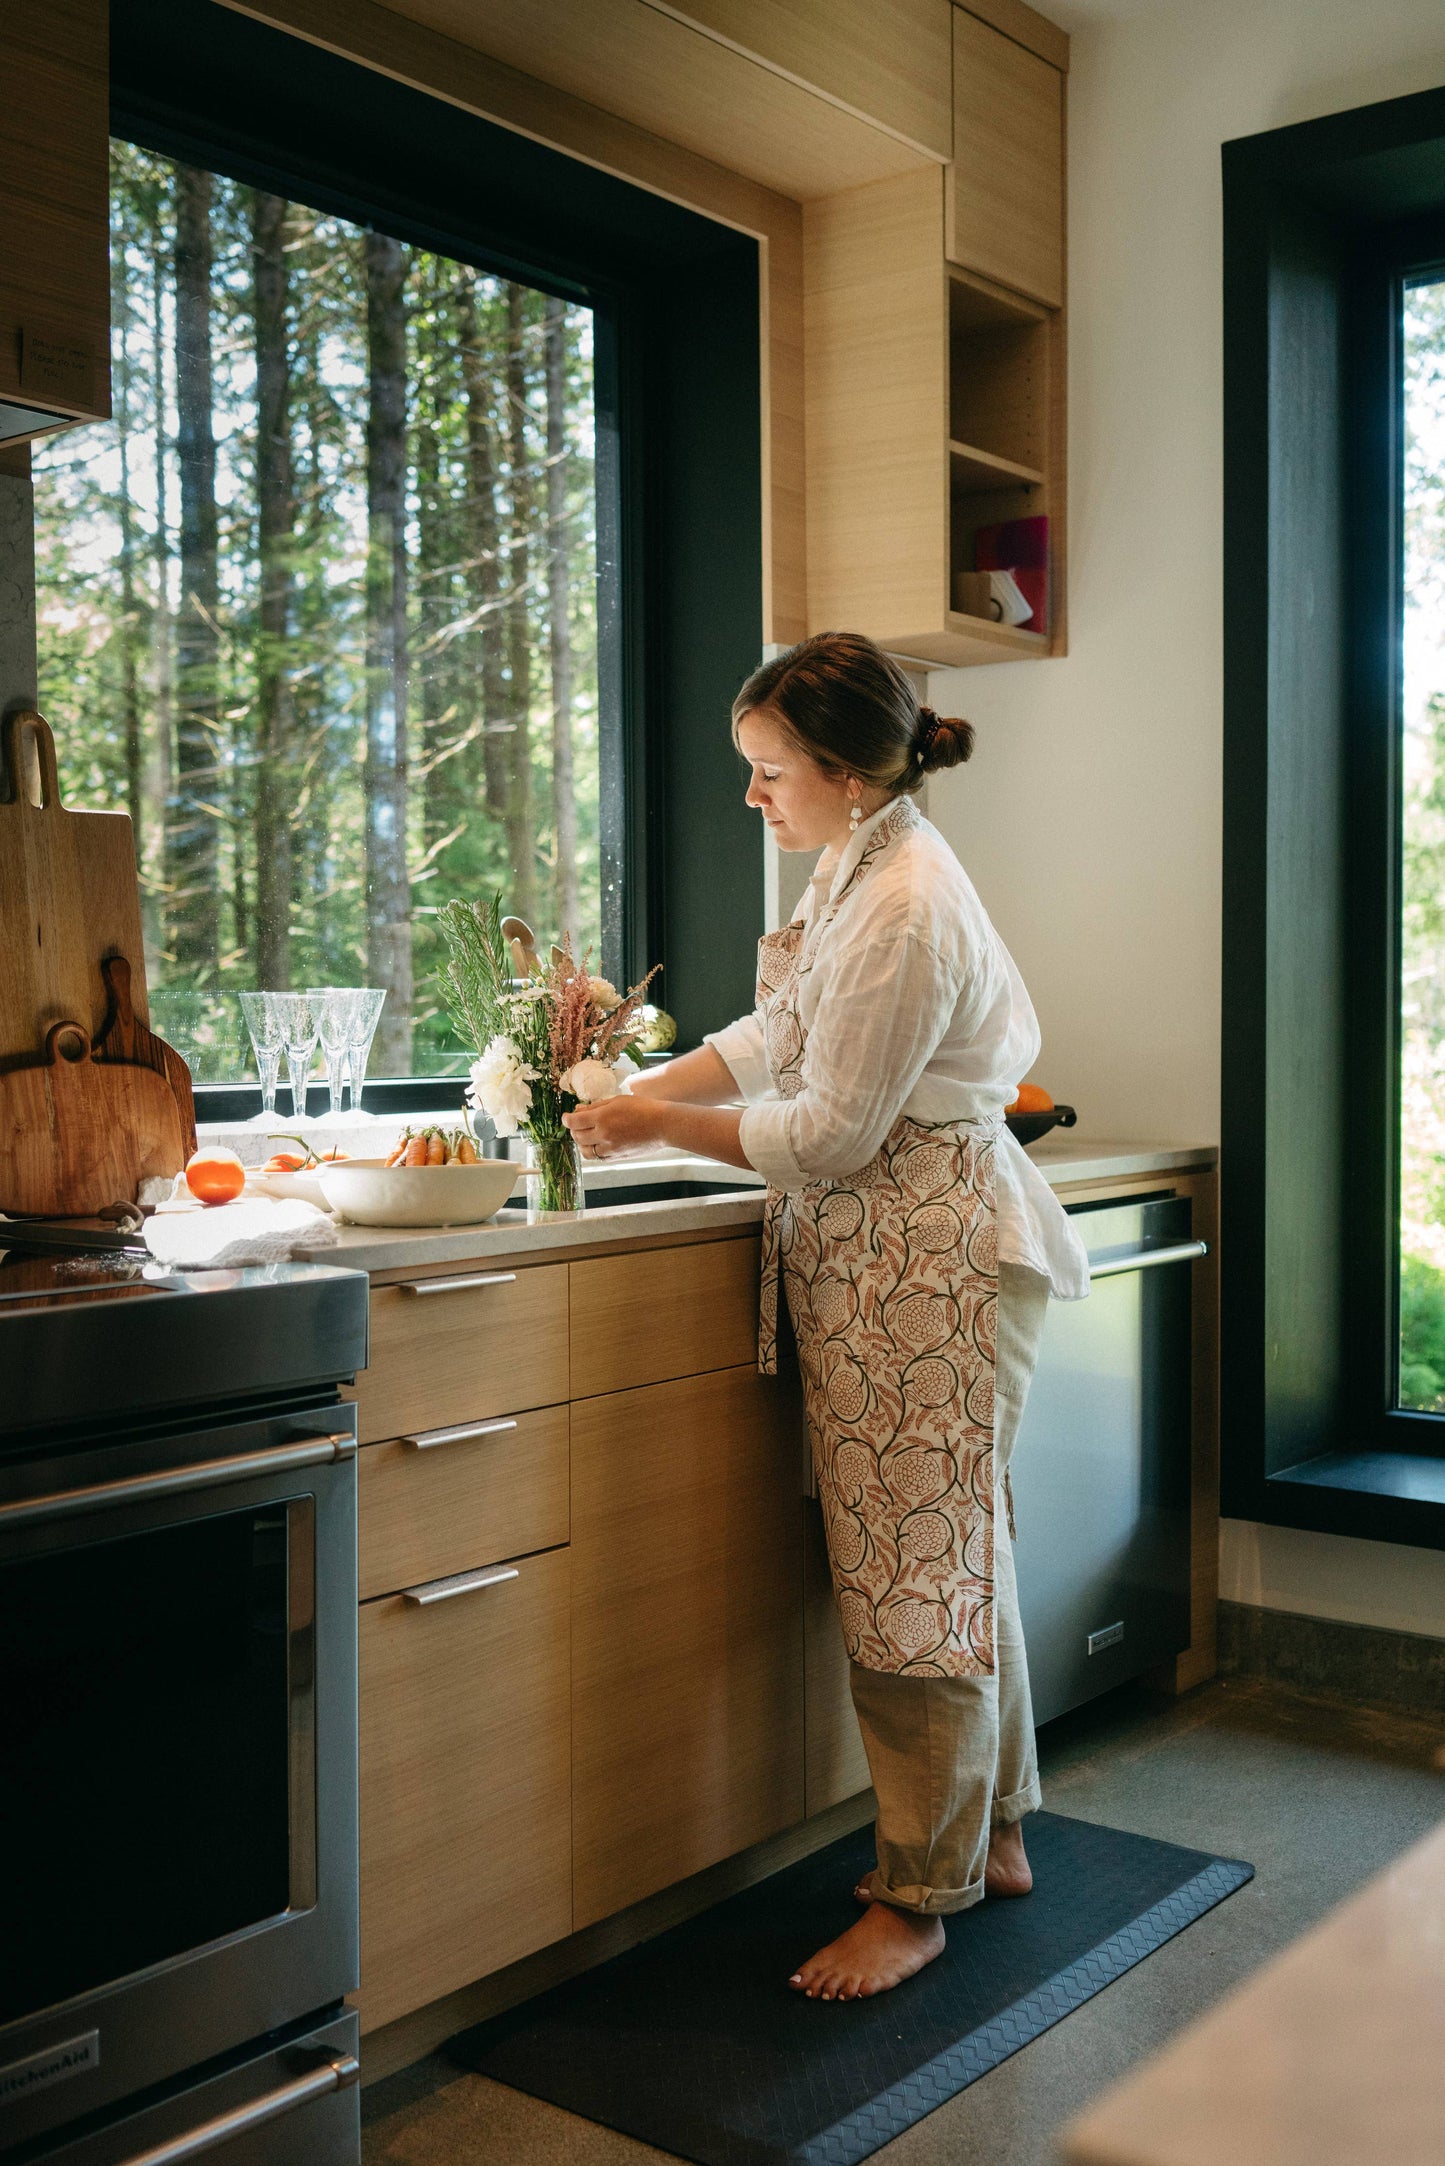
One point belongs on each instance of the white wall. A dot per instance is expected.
(1089, 816)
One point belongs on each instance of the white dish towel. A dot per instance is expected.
(227, 1235)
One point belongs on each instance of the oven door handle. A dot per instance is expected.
(333, 2075)
(314, 1451)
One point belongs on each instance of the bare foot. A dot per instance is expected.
(881, 1950)
(1006, 1873)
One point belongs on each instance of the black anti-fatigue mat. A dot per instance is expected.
(695, 2043)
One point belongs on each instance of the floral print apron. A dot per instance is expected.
(891, 1280)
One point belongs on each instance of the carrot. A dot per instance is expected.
(416, 1151)
(436, 1148)
(399, 1153)
(466, 1150)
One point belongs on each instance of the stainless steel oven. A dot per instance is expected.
(178, 1788)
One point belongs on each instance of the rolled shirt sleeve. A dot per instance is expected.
(740, 1047)
(869, 1042)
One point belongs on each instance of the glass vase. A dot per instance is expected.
(559, 1162)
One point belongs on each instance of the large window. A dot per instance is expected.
(318, 606)
(1422, 947)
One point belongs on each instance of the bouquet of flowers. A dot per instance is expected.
(558, 1039)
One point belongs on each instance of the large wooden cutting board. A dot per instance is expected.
(68, 896)
(77, 1134)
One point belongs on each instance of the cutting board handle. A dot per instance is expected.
(53, 1037)
(28, 764)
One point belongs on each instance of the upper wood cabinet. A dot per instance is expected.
(1005, 198)
(54, 214)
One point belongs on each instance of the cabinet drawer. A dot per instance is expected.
(443, 1501)
(462, 1348)
(662, 1313)
(465, 1784)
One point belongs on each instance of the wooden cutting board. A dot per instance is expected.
(68, 896)
(77, 1134)
(125, 1037)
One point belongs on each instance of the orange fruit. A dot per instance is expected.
(1032, 1098)
(215, 1175)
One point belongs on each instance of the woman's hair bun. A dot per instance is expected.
(942, 740)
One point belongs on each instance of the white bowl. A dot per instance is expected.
(368, 1192)
(306, 1186)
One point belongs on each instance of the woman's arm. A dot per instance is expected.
(682, 1103)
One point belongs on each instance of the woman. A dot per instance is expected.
(917, 1249)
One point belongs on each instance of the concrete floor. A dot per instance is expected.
(1317, 1796)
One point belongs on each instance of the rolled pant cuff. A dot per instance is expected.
(927, 1902)
(1006, 1810)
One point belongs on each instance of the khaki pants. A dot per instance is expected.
(951, 1756)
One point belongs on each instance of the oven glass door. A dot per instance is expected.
(157, 1747)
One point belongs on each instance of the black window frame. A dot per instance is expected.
(679, 436)
(1322, 224)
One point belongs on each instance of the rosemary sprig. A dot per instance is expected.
(478, 970)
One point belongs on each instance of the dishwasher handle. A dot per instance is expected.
(1148, 1259)
(314, 1451)
(333, 2075)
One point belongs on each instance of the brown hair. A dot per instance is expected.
(852, 709)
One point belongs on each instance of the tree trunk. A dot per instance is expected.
(129, 609)
(483, 552)
(559, 596)
(192, 856)
(161, 765)
(275, 517)
(521, 817)
(388, 890)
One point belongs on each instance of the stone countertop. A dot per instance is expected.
(736, 1202)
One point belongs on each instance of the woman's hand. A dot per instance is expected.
(617, 1125)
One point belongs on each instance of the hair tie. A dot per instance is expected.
(928, 732)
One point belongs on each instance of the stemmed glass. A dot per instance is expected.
(263, 1021)
(336, 1013)
(301, 1026)
(365, 1016)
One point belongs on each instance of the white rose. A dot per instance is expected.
(590, 1081)
(501, 1085)
(605, 993)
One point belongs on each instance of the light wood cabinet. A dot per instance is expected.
(687, 1671)
(461, 1347)
(465, 1838)
(935, 407)
(459, 1498)
(54, 214)
(1005, 197)
(663, 1312)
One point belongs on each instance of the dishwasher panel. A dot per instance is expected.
(1101, 1468)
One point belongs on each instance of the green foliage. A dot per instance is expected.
(479, 711)
(478, 969)
(1422, 1335)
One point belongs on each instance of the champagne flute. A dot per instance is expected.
(301, 1026)
(336, 1013)
(365, 1017)
(263, 1021)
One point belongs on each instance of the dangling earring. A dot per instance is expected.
(855, 817)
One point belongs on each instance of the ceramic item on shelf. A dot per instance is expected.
(368, 1192)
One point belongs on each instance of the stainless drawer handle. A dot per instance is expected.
(317, 1451)
(424, 1439)
(442, 1590)
(335, 2075)
(1145, 1259)
(456, 1286)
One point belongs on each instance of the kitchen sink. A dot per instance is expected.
(685, 1188)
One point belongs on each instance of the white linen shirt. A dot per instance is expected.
(912, 1004)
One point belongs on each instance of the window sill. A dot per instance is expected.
(1379, 1496)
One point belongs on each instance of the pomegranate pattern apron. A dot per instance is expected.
(890, 1275)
